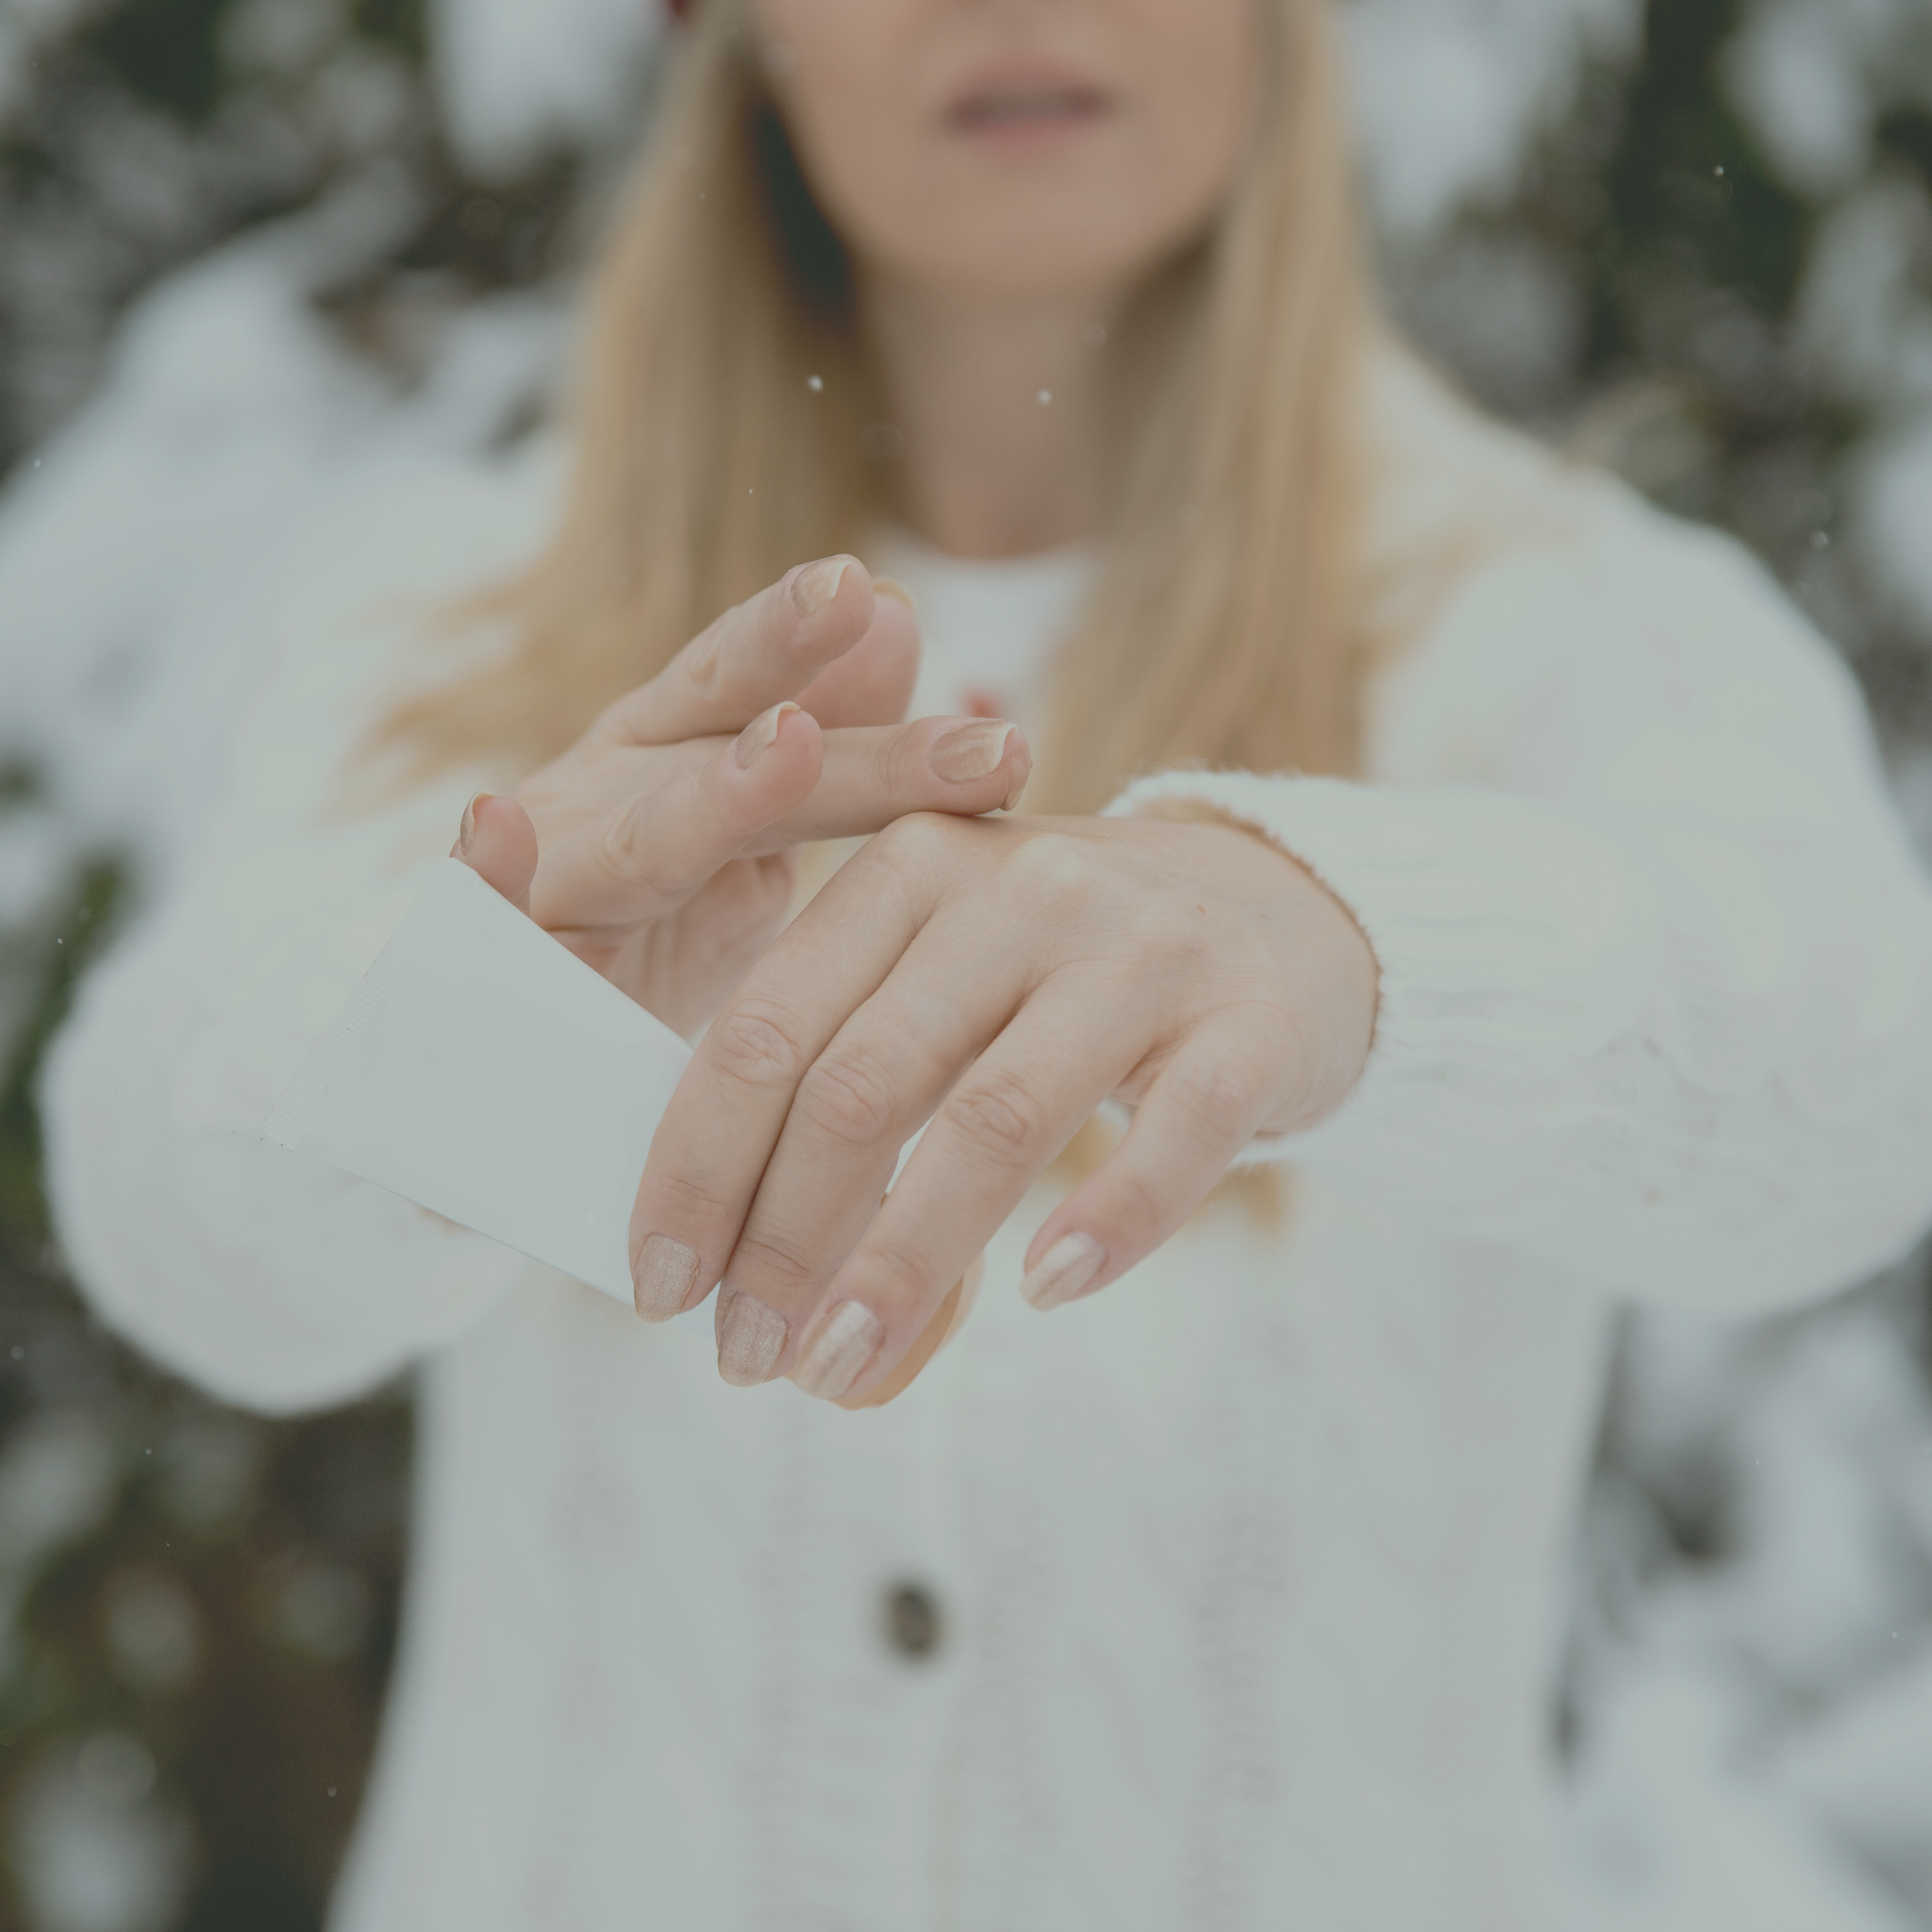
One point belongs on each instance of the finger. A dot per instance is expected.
(646, 856)
(872, 776)
(768, 648)
(867, 1092)
(497, 841)
(730, 1104)
(1002, 1126)
(650, 854)
(1203, 1109)
(948, 1319)
(871, 684)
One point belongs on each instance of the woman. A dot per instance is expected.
(1509, 864)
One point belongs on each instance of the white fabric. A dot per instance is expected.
(484, 1072)
(1250, 1568)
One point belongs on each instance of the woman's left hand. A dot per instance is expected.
(999, 978)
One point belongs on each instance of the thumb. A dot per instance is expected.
(499, 843)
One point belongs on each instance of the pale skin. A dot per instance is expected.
(1004, 175)
(658, 847)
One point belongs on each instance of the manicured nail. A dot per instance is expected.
(1063, 1270)
(891, 587)
(467, 830)
(847, 1342)
(665, 1273)
(817, 583)
(972, 751)
(1017, 792)
(757, 736)
(751, 1337)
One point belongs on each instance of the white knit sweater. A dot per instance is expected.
(1250, 1569)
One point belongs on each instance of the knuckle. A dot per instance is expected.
(899, 763)
(1053, 868)
(768, 618)
(701, 663)
(888, 887)
(684, 1198)
(777, 1259)
(996, 1113)
(755, 1042)
(1294, 1056)
(885, 759)
(896, 1274)
(849, 1097)
(1136, 1209)
(622, 846)
(1212, 1099)
(913, 844)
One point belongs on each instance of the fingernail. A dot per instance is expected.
(1017, 792)
(757, 736)
(751, 1337)
(665, 1273)
(817, 583)
(467, 830)
(847, 1342)
(973, 751)
(891, 587)
(1063, 1270)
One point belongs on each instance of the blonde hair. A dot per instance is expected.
(1222, 624)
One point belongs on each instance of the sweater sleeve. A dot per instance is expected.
(1655, 956)
(273, 1281)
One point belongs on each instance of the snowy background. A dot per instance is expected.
(264, 259)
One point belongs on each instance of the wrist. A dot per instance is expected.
(1327, 964)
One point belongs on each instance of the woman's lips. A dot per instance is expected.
(1025, 109)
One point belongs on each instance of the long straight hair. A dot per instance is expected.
(728, 422)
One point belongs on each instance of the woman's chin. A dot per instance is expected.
(1025, 261)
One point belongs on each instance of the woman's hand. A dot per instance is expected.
(657, 847)
(1000, 978)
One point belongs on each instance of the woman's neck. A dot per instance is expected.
(1000, 406)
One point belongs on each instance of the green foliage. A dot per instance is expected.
(232, 1605)
(1689, 204)
(166, 52)
(22, 1212)
(398, 24)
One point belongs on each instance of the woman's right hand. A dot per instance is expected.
(658, 847)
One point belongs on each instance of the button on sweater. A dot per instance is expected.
(1230, 1597)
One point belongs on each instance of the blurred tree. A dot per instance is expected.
(197, 1606)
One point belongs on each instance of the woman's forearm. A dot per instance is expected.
(1656, 1001)
(273, 1280)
